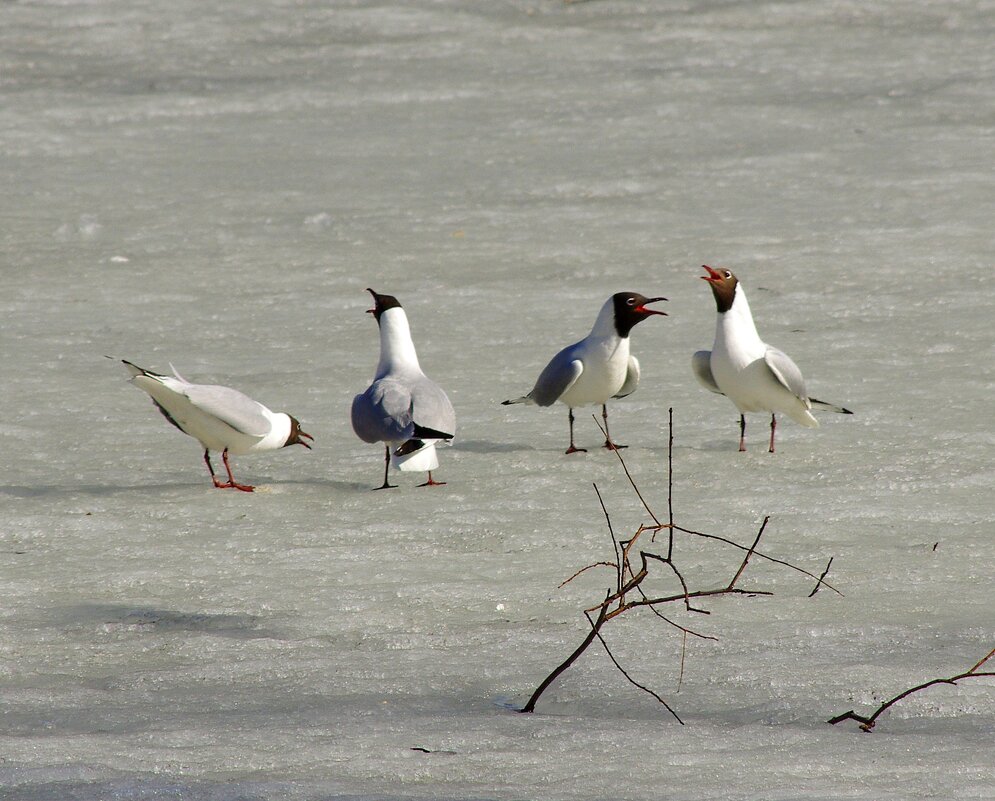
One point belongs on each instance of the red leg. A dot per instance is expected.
(232, 483)
(612, 446)
(573, 448)
(432, 482)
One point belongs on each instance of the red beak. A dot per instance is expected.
(303, 437)
(713, 275)
(643, 310)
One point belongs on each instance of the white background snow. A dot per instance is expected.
(215, 184)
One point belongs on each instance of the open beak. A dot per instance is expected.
(643, 310)
(373, 310)
(302, 436)
(713, 277)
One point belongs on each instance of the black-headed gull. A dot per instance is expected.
(752, 374)
(221, 418)
(599, 367)
(402, 408)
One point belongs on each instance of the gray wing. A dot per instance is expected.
(701, 364)
(231, 406)
(383, 412)
(557, 377)
(631, 378)
(430, 407)
(786, 372)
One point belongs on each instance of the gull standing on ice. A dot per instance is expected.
(222, 419)
(599, 367)
(402, 408)
(752, 374)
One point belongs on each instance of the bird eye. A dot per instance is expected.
(728, 274)
(630, 302)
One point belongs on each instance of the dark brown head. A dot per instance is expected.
(723, 285)
(630, 309)
(297, 436)
(381, 303)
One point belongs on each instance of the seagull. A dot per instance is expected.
(219, 417)
(599, 367)
(402, 408)
(752, 374)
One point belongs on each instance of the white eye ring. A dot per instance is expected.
(728, 274)
(630, 302)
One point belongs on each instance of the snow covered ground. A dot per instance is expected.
(214, 185)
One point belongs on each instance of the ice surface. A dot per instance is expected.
(213, 185)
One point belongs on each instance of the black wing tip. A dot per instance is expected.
(421, 432)
(831, 406)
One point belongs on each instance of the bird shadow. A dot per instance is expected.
(488, 446)
(108, 490)
(40, 490)
(149, 618)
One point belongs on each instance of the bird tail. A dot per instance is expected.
(424, 432)
(135, 370)
(828, 407)
(420, 458)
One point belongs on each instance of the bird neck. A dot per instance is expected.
(737, 322)
(397, 350)
(604, 326)
(278, 433)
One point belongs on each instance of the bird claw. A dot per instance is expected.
(234, 485)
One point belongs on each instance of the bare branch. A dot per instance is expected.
(761, 554)
(991, 653)
(584, 570)
(684, 650)
(820, 582)
(670, 482)
(666, 619)
(696, 594)
(749, 553)
(630, 575)
(611, 531)
(531, 705)
(680, 578)
(867, 723)
(629, 678)
(628, 475)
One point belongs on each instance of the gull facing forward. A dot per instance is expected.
(599, 367)
(752, 374)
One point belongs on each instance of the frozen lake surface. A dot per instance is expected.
(214, 185)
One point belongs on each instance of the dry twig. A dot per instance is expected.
(867, 723)
(632, 567)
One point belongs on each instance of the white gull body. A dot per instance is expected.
(403, 408)
(755, 376)
(220, 418)
(598, 367)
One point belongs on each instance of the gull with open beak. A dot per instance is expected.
(403, 408)
(220, 418)
(752, 374)
(599, 367)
